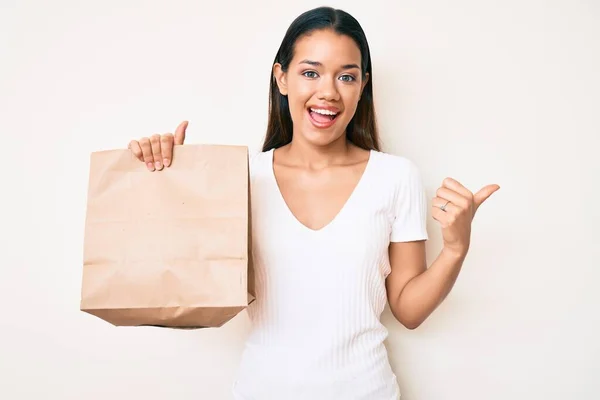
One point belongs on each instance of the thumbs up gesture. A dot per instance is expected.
(454, 207)
(157, 151)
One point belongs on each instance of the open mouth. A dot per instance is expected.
(322, 118)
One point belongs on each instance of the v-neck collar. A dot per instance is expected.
(347, 204)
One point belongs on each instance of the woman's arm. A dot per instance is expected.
(415, 291)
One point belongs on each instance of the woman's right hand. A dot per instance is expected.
(157, 151)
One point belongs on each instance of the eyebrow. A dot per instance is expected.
(318, 64)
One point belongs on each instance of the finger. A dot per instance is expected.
(166, 148)
(484, 193)
(180, 133)
(156, 152)
(147, 153)
(438, 202)
(456, 198)
(440, 217)
(456, 186)
(135, 148)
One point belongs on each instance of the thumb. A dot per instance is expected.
(180, 132)
(483, 194)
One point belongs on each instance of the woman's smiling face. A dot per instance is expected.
(323, 85)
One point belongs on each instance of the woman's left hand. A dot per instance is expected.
(460, 208)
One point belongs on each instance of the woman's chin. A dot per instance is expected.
(320, 138)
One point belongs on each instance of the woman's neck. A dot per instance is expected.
(305, 155)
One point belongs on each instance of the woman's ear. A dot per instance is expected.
(280, 78)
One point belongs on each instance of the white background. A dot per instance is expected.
(486, 92)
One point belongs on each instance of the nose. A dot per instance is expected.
(328, 90)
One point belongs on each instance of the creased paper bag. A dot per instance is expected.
(169, 248)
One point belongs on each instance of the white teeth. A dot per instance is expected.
(323, 112)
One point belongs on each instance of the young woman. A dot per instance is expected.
(339, 227)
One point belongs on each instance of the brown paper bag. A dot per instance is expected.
(169, 248)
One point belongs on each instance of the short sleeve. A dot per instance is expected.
(253, 159)
(410, 206)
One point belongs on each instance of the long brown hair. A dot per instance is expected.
(362, 128)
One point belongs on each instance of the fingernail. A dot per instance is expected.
(158, 165)
(166, 162)
(150, 166)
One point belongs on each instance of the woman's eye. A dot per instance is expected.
(310, 74)
(347, 78)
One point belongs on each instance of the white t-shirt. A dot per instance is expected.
(316, 331)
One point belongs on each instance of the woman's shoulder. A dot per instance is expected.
(397, 166)
(259, 161)
(400, 178)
